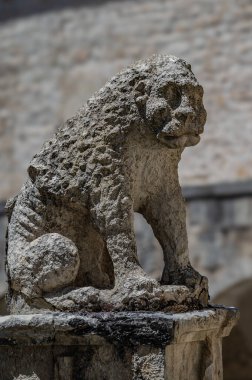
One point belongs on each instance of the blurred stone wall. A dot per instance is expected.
(54, 55)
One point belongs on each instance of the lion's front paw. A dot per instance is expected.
(196, 283)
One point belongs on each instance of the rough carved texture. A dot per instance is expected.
(71, 241)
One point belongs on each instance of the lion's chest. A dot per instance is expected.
(155, 173)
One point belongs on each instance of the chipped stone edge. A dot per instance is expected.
(128, 328)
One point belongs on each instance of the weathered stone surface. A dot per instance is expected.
(117, 155)
(126, 328)
(141, 345)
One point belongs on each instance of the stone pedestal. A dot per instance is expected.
(113, 346)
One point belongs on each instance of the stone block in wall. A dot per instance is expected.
(206, 247)
(237, 213)
(203, 212)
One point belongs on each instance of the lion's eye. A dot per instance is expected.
(172, 94)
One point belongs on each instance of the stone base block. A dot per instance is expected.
(113, 346)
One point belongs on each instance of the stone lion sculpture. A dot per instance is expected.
(71, 243)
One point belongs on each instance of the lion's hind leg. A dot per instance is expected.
(48, 263)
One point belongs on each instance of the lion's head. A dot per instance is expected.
(170, 101)
(159, 96)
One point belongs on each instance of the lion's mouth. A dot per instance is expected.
(176, 142)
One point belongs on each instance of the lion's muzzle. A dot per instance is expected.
(178, 142)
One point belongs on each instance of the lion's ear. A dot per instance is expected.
(141, 93)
